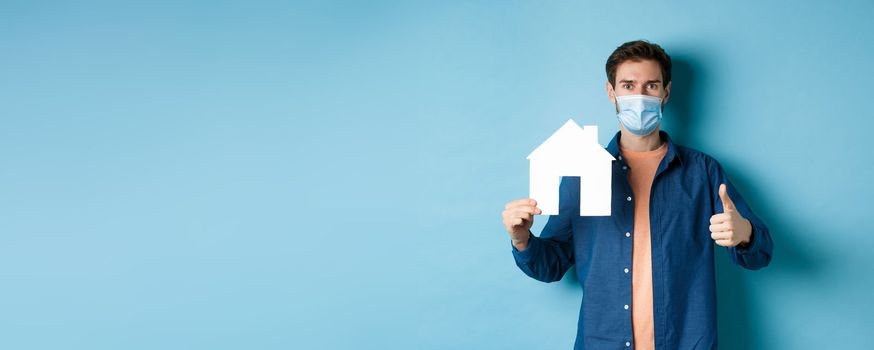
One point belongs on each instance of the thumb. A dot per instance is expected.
(727, 204)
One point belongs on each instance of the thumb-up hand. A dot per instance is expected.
(729, 228)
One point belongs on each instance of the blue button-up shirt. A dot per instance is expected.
(684, 195)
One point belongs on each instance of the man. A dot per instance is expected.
(647, 271)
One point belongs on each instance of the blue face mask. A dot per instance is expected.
(640, 114)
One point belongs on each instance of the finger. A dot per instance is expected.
(727, 204)
(719, 218)
(522, 215)
(723, 242)
(720, 227)
(507, 215)
(511, 214)
(716, 236)
(518, 202)
(527, 209)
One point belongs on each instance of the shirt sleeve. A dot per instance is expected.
(757, 254)
(548, 257)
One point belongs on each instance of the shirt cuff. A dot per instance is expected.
(530, 251)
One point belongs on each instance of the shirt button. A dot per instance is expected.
(629, 198)
(624, 167)
(627, 234)
(626, 270)
(626, 306)
(627, 344)
(620, 157)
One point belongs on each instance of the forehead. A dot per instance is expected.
(643, 70)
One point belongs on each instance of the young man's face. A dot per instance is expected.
(639, 78)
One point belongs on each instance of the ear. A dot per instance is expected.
(611, 94)
(667, 93)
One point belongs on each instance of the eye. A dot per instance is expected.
(653, 86)
(627, 86)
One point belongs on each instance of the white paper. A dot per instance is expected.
(572, 151)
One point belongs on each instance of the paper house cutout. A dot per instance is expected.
(572, 151)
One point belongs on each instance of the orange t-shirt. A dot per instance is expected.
(643, 166)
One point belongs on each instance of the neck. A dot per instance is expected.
(636, 143)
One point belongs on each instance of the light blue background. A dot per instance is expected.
(271, 175)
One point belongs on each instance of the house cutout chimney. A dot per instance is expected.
(572, 151)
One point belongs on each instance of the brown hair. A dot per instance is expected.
(639, 50)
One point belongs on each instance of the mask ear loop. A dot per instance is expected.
(616, 101)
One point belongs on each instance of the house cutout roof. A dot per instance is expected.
(572, 141)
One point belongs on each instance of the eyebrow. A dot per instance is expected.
(632, 81)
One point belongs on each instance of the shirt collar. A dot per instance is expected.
(670, 155)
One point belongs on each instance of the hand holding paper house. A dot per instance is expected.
(572, 151)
